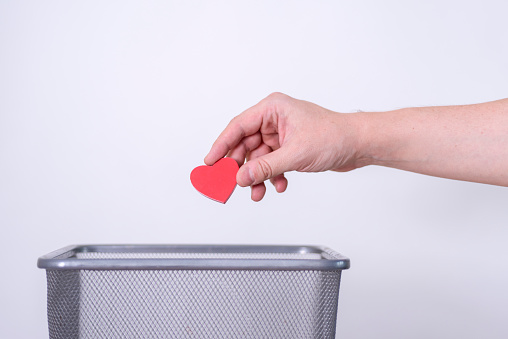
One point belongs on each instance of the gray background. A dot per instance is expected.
(105, 108)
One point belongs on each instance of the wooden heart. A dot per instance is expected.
(216, 182)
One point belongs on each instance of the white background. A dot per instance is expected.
(106, 106)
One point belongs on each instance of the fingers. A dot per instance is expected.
(264, 167)
(258, 192)
(280, 183)
(254, 135)
(242, 126)
(246, 145)
(248, 123)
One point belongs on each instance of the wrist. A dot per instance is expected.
(378, 141)
(364, 139)
(353, 139)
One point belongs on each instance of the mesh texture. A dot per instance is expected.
(192, 304)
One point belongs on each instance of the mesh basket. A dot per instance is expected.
(167, 291)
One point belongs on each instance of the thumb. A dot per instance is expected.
(265, 167)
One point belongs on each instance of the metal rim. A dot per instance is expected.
(335, 261)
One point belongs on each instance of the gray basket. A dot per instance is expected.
(192, 291)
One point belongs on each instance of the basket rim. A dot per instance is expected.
(334, 260)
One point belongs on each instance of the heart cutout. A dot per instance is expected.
(216, 182)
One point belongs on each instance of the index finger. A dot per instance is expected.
(247, 123)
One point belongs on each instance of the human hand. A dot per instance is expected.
(282, 134)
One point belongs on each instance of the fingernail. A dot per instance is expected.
(245, 177)
(251, 175)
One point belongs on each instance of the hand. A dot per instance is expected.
(282, 134)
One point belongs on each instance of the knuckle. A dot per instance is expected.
(265, 171)
(234, 121)
(276, 101)
(234, 128)
(252, 141)
(276, 96)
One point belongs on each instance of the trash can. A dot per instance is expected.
(192, 291)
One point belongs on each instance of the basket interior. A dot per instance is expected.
(169, 255)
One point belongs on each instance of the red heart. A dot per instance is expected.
(216, 182)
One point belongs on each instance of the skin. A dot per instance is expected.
(282, 134)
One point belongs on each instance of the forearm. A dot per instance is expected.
(458, 142)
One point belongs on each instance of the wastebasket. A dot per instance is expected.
(192, 291)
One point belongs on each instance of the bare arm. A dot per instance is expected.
(457, 142)
(282, 134)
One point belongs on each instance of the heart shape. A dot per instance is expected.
(216, 182)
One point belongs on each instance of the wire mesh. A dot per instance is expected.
(192, 303)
